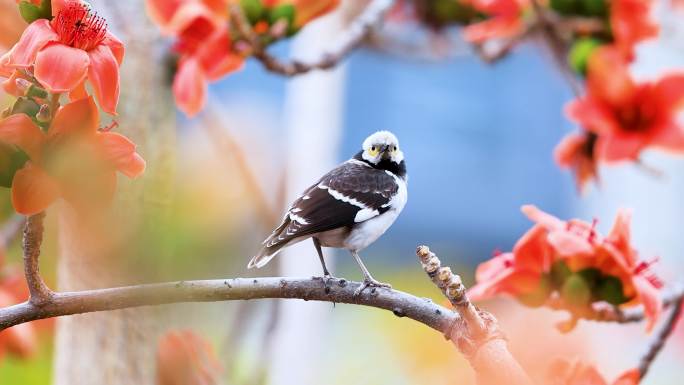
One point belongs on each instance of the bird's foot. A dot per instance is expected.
(370, 282)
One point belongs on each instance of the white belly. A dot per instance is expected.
(365, 233)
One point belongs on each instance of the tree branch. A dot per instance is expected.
(351, 38)
(33, 238)
(659, 341)
(309, 289)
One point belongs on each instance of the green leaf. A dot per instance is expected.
(579, 54)
(11, 160)
(253, 9)
(559, 273)
(285, 11)
(575, 291)
(31, 12)
(610, 290)
(566, 7)
(594, 8)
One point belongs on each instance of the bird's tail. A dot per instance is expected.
(265, 255)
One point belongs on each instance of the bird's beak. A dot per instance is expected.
(384, 150)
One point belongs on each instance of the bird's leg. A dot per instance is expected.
(317, 245)
(368, 279)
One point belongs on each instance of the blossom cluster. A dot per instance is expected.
(570, 264)
(52, 150)
(209, 45)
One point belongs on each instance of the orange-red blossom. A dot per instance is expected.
(73, 160)
(579, 373)
(523, 272)
(185, 358)
(65, 52)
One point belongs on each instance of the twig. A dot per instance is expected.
(33, 238)
(556, 45)
(659, 341)
(352, 37)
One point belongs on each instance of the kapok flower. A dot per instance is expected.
(630, 22)
(627, 116)
(73, 160)
(72, 48)
(576, 152)
(572, 258)
(518, 273)
(609, 266)
(505, 20)
(183, 358)
(565, 373)
(204, 45)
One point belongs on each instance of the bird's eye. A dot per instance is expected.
(373, 148)
(394, 148)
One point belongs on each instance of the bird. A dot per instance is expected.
(349, 208)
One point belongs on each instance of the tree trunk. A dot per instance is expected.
(118, 347)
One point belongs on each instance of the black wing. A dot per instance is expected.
(349, 194)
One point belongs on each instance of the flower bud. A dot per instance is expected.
(44, 114)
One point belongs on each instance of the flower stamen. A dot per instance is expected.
(79, 27)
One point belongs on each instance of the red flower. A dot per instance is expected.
(592, 267)
(576, 152)
(628, 117)
(565, 373)
(184, 358)
(517, 273)
(630, 22)
(71, 48)
(204, 46)
(505, 20)
(73, 160)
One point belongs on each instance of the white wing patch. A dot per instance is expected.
(296, 218)
(365, 214)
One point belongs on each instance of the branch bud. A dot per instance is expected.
(444, 275)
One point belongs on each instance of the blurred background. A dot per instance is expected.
(478, 141)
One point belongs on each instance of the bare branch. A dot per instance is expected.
(357, 31)
(476, 333)
(33, 238)
(309, 289)
(659, 341)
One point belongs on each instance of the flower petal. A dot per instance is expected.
(36, 36)
(532, 250)
(79, 117)
(103, 74)
(669, 137)
(162, 11)
(547, 220)
(593, 115)
(190, 87)
(116, 46)
(60, 68)
(19, 130)
(494, 28)
(630, 377)
(669, 91)
(608, 76)
(616, 148)
(215, 56)
(120, 151)
(33, 190)
(649, 297)
(79, 92)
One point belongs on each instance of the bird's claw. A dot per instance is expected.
(370, 282)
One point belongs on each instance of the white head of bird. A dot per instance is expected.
(382, 145)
